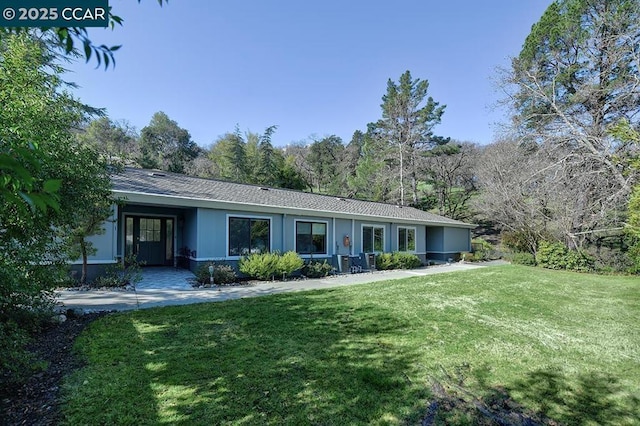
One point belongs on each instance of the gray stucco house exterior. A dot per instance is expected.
(176, 220)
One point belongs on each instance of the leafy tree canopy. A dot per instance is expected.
(65, 40)
(165, 145)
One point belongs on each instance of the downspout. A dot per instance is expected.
(122, 230)
(391, 237)
(284, 234)
(334, 244)
(353, 236)
(114, 233)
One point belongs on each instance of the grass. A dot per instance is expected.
(561, 345)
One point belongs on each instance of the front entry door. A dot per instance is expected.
(150, 239)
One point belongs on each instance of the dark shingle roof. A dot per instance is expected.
(151, 182)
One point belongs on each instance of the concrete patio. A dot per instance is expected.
(165, 278)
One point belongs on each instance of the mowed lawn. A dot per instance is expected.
(554, 345)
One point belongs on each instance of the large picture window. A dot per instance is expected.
(311, 237)
(372, 239)
(406, 239)
(248, 235)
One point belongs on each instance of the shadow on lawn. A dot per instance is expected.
(321, 358)
(585, 398)
(294, 360)
(125, 394)
(557, 398)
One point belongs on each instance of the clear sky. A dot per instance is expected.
(312, 67)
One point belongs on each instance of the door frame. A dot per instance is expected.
(123, 231)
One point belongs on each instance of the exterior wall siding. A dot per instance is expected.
(435, 239)
(457, 240)
(446, 243)
(203, 232)
(343, 228)
(211, 234)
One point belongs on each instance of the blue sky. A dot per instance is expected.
(313, 68)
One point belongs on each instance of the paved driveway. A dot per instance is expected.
(173, 289)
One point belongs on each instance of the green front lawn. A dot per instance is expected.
(561, 345)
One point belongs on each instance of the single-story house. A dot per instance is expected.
(183, 221)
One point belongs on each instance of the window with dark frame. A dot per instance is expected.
(372, 239)
(248, 236)
(406, 239)
(311, 237)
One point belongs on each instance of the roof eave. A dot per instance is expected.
(177, 201)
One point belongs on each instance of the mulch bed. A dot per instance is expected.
(37, 401)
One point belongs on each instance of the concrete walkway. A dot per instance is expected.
(147, 296)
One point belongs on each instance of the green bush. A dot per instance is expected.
(580, 261)
(407, 260)
(634, 257)
(612, 260)
(262, 266)
(315, 269)
(397, 260)
(518, 242)
(289, 263)
(26, 305)
(552, 255)
(384, 261)
(523, 258)
(16, 363)
(120, 275)
(222, 274)
(482, 250)
(267, 266)
(555, 255)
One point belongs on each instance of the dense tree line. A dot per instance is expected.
(397, 159)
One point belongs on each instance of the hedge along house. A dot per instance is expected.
(182, 221)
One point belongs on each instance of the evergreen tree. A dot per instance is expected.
(325, 158)
(228, 153)
(408, 119)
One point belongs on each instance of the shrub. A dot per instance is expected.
(612, 260)
(222, 274)
(384, 261)
(266, 266)
(482, 250)
(121, 275)
(397, 260)
(518, 242)
(262, 266)
(580, 261)
(406, 260)
(523, 258)
(552, 255)
(27, 304)
(555, 255)
(633, 255)
(315, 269)
(289, 263)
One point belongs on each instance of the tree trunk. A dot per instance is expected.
(401, 176)
(83, 249)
